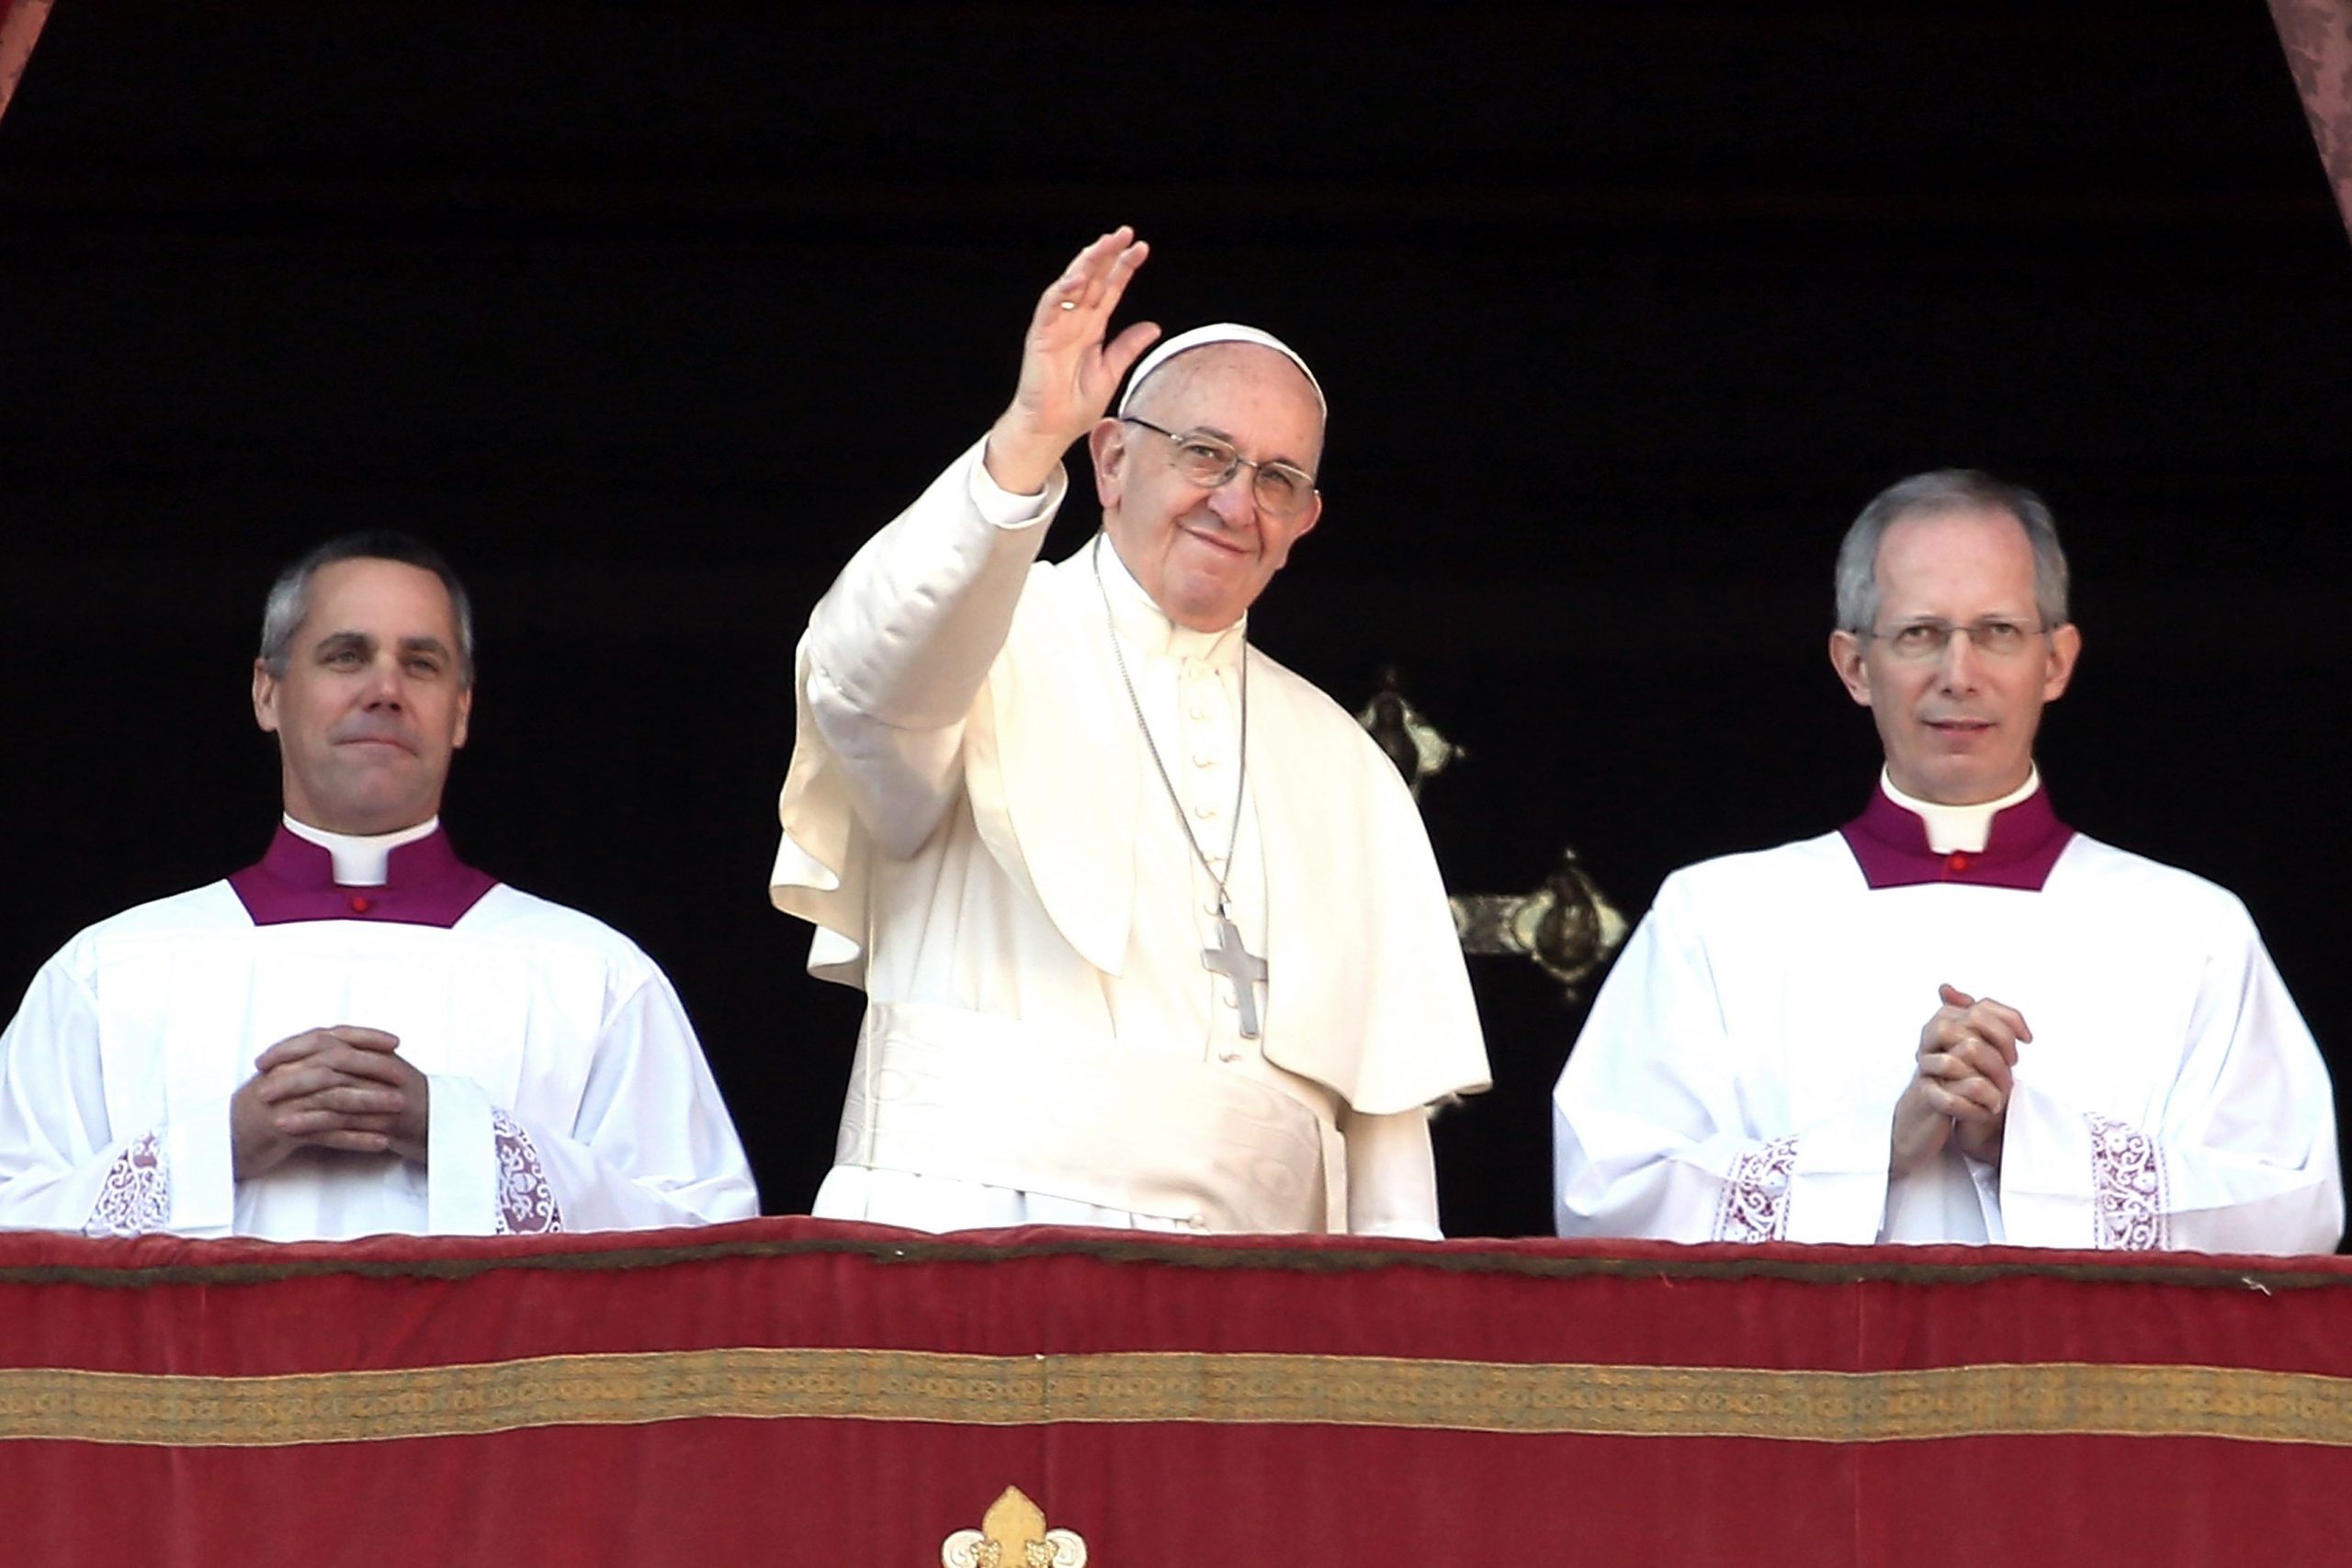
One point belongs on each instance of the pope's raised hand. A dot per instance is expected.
(1068, 371)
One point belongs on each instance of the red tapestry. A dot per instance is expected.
(20, 22)
(2317, 36)
(789, 1391)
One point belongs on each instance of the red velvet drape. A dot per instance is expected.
(786, 1391)
(2317, 36)
(20, 22)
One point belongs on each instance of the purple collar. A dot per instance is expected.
(1891, 844)
(425, 884)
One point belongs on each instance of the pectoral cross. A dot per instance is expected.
(1239, 966)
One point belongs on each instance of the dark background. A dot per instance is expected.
(649, 315)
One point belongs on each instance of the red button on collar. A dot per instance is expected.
(361, 905)
(1956, 861)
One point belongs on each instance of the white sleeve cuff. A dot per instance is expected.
(200, 1163)
(1838, 1189)
(2046, 1172)
(461, 1159)
(1001, 508)
(1392, 1175)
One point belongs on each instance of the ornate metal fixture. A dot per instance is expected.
(1411, 742)
(1566, 927)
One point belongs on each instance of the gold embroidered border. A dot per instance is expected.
(2043, 1399)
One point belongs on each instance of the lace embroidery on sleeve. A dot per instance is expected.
(137, 1197)
(526, 1203)
(1755, 1204)
(2127, 1186)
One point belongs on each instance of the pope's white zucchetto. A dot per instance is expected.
(1203, 337)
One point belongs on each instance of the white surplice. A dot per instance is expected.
(974, 823)
(567, 1089)
(1737, 1077)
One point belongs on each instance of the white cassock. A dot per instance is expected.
(973, 822)
(1737, 1077)
(567, 1090)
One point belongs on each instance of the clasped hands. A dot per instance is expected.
(345, 1088)
(1960, 1090)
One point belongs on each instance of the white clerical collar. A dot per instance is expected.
(1142, 624)
(1962, 828)
(361, 859)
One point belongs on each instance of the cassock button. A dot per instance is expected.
(360, 906)
(1229, 1055)
(1201, 759)
(1956, 861)
(1204, 809)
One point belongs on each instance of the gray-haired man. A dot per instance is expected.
(1956, 1018)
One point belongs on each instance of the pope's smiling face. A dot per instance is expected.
(1206, 555)
(373, 700)
(1958, 724)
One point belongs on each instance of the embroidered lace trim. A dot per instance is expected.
(526, 1203)
(1754, 1206)
(137, 1197)
(2127, 1186)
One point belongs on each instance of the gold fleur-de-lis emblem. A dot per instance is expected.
(1012, 1534)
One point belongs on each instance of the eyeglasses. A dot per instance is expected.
(1992, 636)
(1207, 461)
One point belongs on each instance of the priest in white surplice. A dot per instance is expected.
(1956, 1018)
(360, 1034)
(1151, 932)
